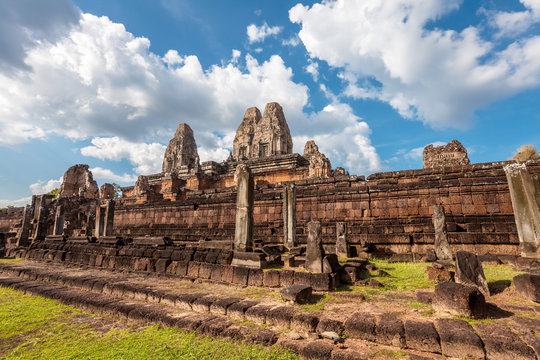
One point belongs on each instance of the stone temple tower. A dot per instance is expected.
(259, 137)
(181, 151)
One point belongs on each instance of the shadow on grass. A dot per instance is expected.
(497, 287)
(495, 312)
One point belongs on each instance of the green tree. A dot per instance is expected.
(54, 192)
(117, 190)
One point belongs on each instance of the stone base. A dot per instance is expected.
(151, 241)
(248, 259)
(217, 244)
(55, 238)
(78, 239)
(110, 240)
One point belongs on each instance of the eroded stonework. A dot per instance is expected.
(259, 137)
(106, 191)
(319, 165)
(451, 154)
(181, 154)
(78, 181)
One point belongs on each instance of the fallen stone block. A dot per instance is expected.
(305, 322)
(460, 300)
(469, 271)
(389, 330)
(258, 313)
(330, 325)
(322, 282)
(299, 294)
(501, 343)
(220, 306)
(271, 278)
(361, 325)
(263, 337)
(528, 285)
(281, 316)
(347, 354)
(459, 340)
(202, 304)
(319, 349)
(422, 336)
(238, 310)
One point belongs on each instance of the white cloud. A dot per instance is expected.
(259, 33)
(235, 56)
(313, 69)
(106, 174)
(98, 81)
(342, 137)
(417, 153)
(293, 41)
(437, 76)
(16, 203)
(43, 187)
(147, 158)
(101, 81)
(510, 24)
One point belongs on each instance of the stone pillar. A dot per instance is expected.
(524, 189)
(442, 247)
(59, 221)
(104, 219)
(342, 243)
(243, 235)
(314, 249)
(40, 203)
(22, 234)
(289, 216)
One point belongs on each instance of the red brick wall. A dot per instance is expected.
(391, 210)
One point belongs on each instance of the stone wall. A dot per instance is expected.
(10, 218)
(390, 210)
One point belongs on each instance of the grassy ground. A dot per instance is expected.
(37, 328)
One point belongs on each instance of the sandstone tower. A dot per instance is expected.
(259, 137)
(181, 151)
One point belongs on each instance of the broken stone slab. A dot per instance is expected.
(314, 249)
(248, 259)
(458, 299)
(458, 340)
(299, 294)
(438, 275)
(469, 271)
(342, 242)
(528, 285)
(243, 233)
(442, 247)
(524, 187)
(331, 264)
(501, 343)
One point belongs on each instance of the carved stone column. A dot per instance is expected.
(289, 216)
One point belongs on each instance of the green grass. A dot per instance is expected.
(38, 328)
(498, 273)
(317, 302)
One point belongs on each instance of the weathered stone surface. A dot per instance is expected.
(502, 343)
(342, 242)
(458, 340)
(442, 247)
(457, 299)
(389, 330)
(271, 278)
(330, 264)
(259, 137)
(438, 275)
(142, 187)
(248, 259)
(319, 165)
(181, 151)
(524, 191)
(296, 293)
(422, 336)
(106, 191)
(318, 349)
(305, 322)
(469, 271)
(361, 325)
(528, 285)
(450, 154)
(243, 235)
(314, 249)
(289, 215)
(78, 181)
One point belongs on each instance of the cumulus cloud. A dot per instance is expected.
(313, 69)
(43, 187)
(147, 158)
(16, 203)
(342, 137)
(259, 33)
(437, 76)
(107, 174)
(514, 23)
(416, 153)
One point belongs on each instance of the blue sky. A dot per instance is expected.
(106, 83)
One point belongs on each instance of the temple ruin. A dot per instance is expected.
(269, 218)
